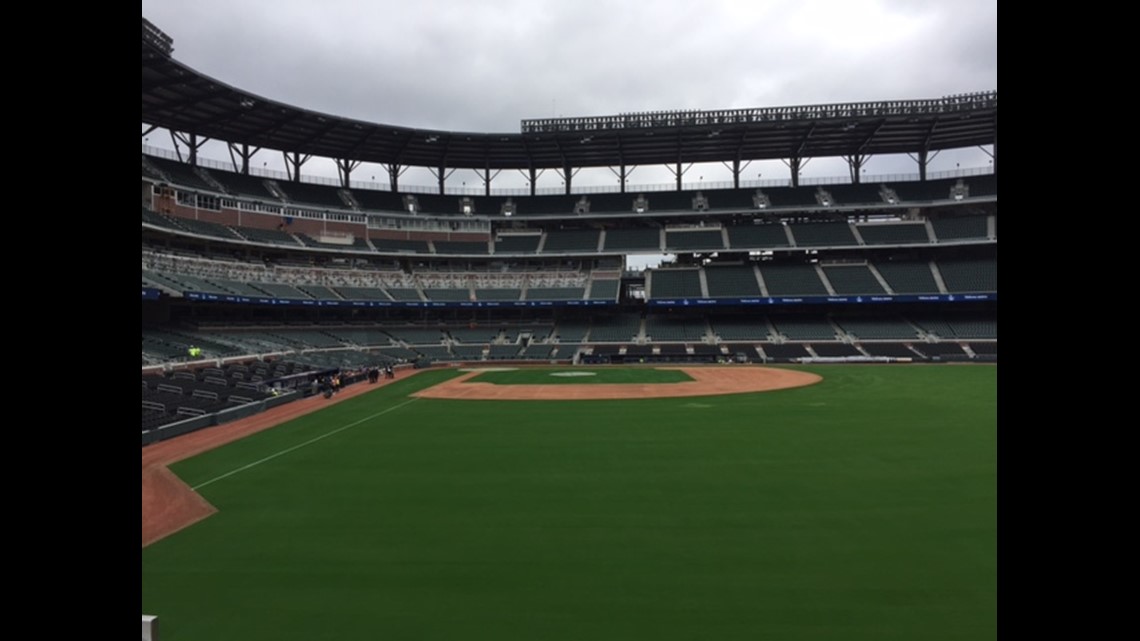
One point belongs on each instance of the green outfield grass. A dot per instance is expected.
(860, 508)
(581, 375)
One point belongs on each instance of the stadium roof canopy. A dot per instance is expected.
(180, 99)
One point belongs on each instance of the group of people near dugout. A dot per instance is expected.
(374, 373)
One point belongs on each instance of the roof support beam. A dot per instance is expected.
(923, 160)
(441, 174)
(487, 177)
(796, 164)
(245, 154)
(394, 172)
(994, 157)
(623, 173)
(344, 167)
(679, 172)
(855, 164)
(736, 168)
(191, 141)
(566, 173)
(532, 175)
(293, 164)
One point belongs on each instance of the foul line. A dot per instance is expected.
(299, 446)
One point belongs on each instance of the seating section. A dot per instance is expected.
(835, 350)
(908, 277)
(497, 293)
(941, 351)
(732, 281)
(399, 245)
(878, 328)
(302, 192)
(207, 228)
(616, 328)
(784, 351)
(473, 283)
(823, 234)
(969, 275)
(792, 196)
(415, 335)
(555, 293)
(852, 280)
(929, 190)
(674, 283)
(891, 350)
(804, 328)
(405, 294)
(861, 194)
(246, 185)
(576, 240)
(604, 289)
(703, 240)
(158, 220)
(633, 240)
(893, 233)
(472, 335)
(282, 290)
(983, 349)
(366, 337)
(792, 280)
(460, 247)
(731, 328)
(447, 294)
(660, 328)
(181, 173)
(503, 352)
(974, 328)
(571, 331)
(517, 244)
(960, 228)
(758, 236)
(320, 292)
(361, 293)
(268, 236)
(376, 200)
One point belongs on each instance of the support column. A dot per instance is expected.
(487, 177)
(854, 165)
(293, 164)
(344, 167)
(394, 172)
(242, 152)
(191, 141)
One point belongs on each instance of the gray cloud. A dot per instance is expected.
(485, 66)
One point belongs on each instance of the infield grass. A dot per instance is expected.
(863, 507)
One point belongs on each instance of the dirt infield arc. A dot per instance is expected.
(169, 505)
(707, 381)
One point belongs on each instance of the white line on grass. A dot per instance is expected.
(299, 446)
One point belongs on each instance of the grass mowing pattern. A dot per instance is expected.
(860, 508)
(581, 376)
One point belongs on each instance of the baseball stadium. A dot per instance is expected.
(381, 410)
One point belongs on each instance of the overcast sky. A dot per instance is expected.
(484, 66)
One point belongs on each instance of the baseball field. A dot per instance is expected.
(859, 503)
